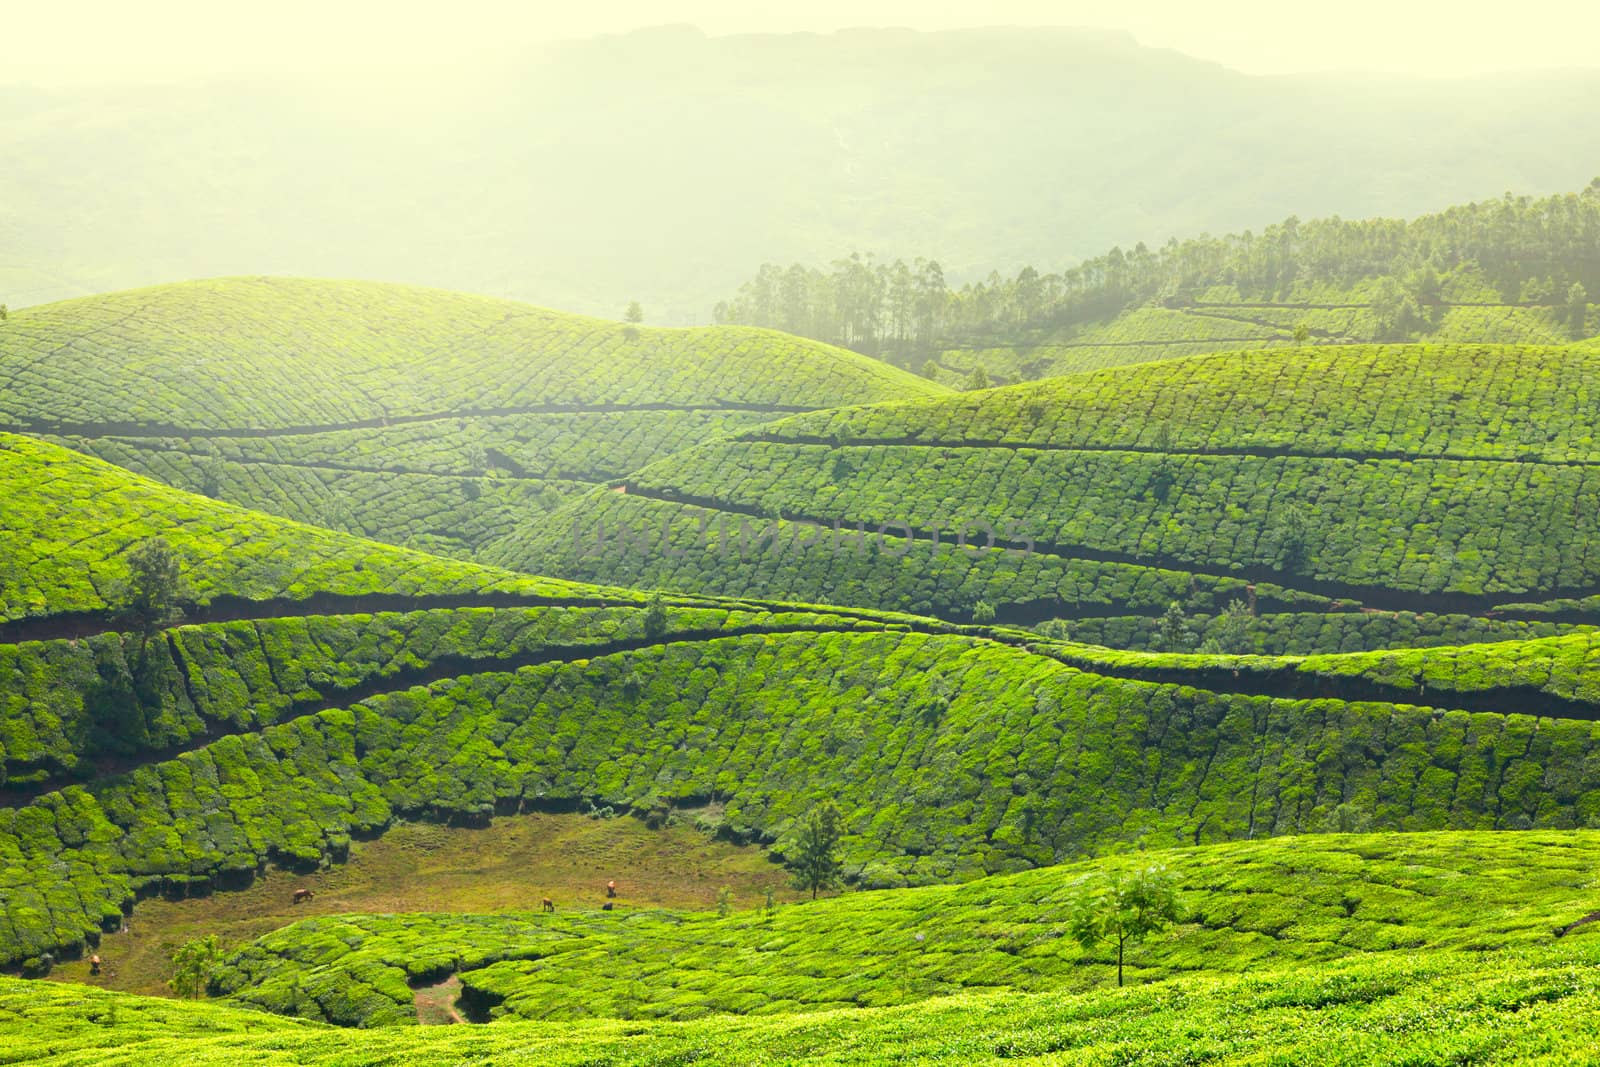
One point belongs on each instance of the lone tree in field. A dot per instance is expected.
(815, 862)
(147, 599)
(635, 313)
(1123, 909)
(193, 966)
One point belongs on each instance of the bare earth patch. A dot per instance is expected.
(508, 866)
(436, 1004)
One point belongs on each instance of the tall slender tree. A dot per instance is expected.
(815, 860)
(1123, 909)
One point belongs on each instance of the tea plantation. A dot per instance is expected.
(1002, 758)
(1386, 555)
(419, 417)
(1222, 319)
(1430, 480)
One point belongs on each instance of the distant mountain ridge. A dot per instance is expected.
(666, 165)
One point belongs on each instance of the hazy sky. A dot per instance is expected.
(64, 41)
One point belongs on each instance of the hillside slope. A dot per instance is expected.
(70, 520)
(314, 709)
(1222, 319)
(412, 416)
(1422, 479)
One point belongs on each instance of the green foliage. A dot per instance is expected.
(147, 600)
(402, 344)
(69, 520)
(634, 313)
(194, 966)
(1231, 635)
(1293, 533)
(1175, 632)
(1122, 910)
(814, 853)
(1054, 629)
(1394, 310)
(1578, 311)
(724, 902)
(655, 617)
(1314, 904)
(1328, 281)
(1517, 1006)
(1281, 633)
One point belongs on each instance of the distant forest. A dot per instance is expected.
(1514, 250)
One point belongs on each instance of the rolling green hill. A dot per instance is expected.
(412, 416)
(1226, 320)
(1383, 478)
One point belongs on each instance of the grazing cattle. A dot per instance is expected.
(94, 964)
(549, 905)
(607, 906)
(301, 896)
(611, 889)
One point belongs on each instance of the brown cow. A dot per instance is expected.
(94, 964)
(301, 896)
(611, 889)
(549, 905)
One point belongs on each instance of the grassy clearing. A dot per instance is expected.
(426, 867)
